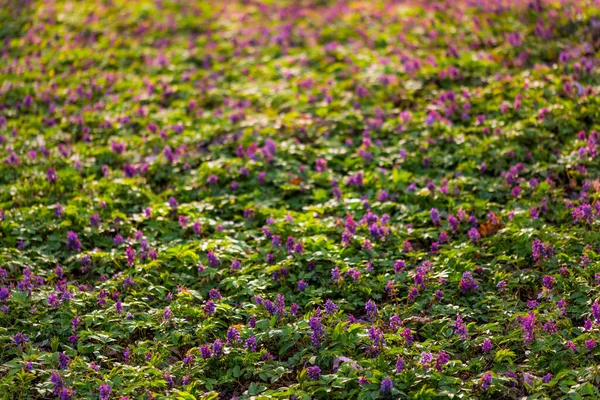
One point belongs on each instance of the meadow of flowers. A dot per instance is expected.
(299, 199)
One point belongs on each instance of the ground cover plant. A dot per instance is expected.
(299, 199)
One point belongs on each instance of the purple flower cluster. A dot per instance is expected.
(468, 283)
(541, 251)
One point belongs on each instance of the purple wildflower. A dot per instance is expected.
(205, 351)
(314, 373)
(73, 242)
(20, 339)
(473, 235)
(51, 175)
(399, 266)
(426, 359)
(233, 336)
(167, 314)
(213, 261)
(209, 308)
(486, 381)
(330, 307)
(596, 311)
(63, 361)
(547, 281)
(217, 348)
(130, 253)
(441, 360)
(435, 216)
(550, 327)
(386, 385)
(528, 325)
(468, 283)
(236, 265)
(589, 344)
(371, 308)
(541, 251)
(105, 392)
(302, 285)
(399, 365)
(486, 347)
(583, 213)
(317, 330)
(460, 328)
(251, 344)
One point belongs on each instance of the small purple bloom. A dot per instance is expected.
(302, 285)
(20, 339)
(399, 365)
(386, 385)
(251, 344)
(317, 331)
(541, 251)
(335, 274)
(460, 328)
(474, 235)
(217, 348)
(105, 392)
(209, 308)
(51, 175)
(330, 307)
(371, 308)
(118, 239)
(426, 359)
(236, 265)
(441, 360)
(95, 220)
(314, 373)
(596, 311)
(486, 347)
(486, 381)
(435, 216)
(233, 336)
(548, 281)
(73, 242)
(205, 351)
(63, 361)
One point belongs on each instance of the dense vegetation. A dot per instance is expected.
(299, 199)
